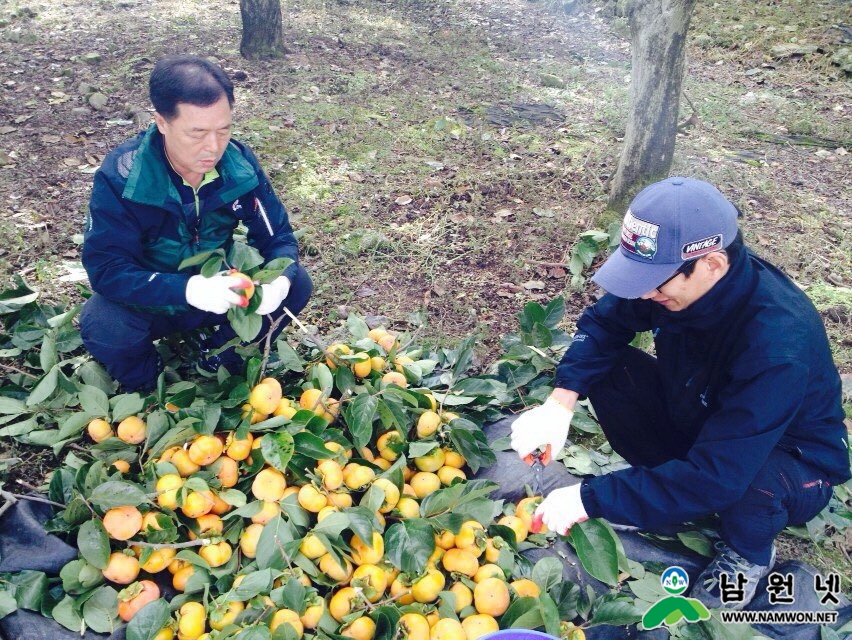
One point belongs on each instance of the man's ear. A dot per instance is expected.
(160, 122)
(717, 263)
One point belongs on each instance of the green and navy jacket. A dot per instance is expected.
(139, 228)
(746, 369)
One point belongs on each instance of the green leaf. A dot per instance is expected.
(277, 449)
(322, 378)
(7, 603)
(596, 548)
(344, 380)
(697, 542)
(99, 610)
(48, 356)
(408, 544)
(148, 621)
(618, 613)
(94, 401)
(65, 613)
(290, 360)
(359, 415)
(201, 258)
(30, 587)
(464, 357)
(253, 584)
(115, 493)
(44, 388)
(554, 312)
(126, 404)
(11, 406)
(276, 536)
(93, 543)
(547, 573)
(246, 325)
(307, 444)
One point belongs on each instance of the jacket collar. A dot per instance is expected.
(149, 182)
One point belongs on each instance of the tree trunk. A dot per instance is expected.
(658, 51)
(262, 29)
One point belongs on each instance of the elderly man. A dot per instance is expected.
(739, 413)
(178, 189)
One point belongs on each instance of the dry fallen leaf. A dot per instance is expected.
(533, 285)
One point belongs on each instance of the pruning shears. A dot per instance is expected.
(538, 460)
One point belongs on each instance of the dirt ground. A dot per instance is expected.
(478, 234)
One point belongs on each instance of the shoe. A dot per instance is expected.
(738, 593)
(209, 364)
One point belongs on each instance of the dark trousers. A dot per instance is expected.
(122, 338)
(632, 411)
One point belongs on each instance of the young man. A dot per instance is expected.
(738, 414)
(178, 189)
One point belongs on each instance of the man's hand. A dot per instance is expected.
(215, 294)
(545, 425)
(273, 295)
(561, 509)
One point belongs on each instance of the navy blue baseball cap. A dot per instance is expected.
(668, 223)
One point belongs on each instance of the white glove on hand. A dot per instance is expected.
(545, 425)
(562, 509)
(273, 295)
(215, 294)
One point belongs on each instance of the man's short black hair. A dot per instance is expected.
(190, 80)
(733, 251)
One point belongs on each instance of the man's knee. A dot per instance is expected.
(108, 325)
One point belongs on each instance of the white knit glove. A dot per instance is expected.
(545, 425)
(216, 294)
(273, 295)
(562, 509)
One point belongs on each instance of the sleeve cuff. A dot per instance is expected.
(590, 503)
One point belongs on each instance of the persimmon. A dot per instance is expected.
(363, 553)
(122, 568)
(99, 429)
(363, 628)
(135, 596)
(491, 596)
(479, 624)
(131, 430)
(225, 614)
(447, 629)
(287, 616)
(269, 484)
(192, 620)
(205, 449)
(265, 395)
(414, 626)
(428, 423)
(216, 554)
(122, 523)
(249, 539)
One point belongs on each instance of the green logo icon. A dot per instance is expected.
(674, 608)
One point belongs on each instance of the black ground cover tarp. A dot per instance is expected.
(25, 546)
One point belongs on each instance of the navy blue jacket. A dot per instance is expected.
(139, 230)
(747, 367)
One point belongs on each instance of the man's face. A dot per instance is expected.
(681, 291)
(196, 138)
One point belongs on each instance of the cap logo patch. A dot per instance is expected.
(700, 247)
(639, 237)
